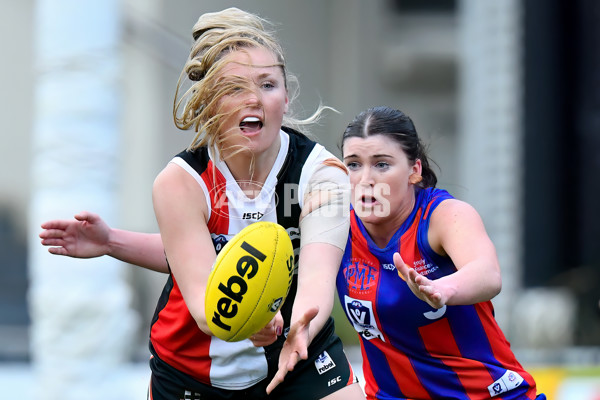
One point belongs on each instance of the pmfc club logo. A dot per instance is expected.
(360, 275)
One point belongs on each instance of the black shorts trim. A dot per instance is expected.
(320, 375)
(326, 371)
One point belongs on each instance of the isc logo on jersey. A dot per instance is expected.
(389, 267)
(252, 215)
(249, 282)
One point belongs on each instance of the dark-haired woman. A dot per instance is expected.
(418, 274)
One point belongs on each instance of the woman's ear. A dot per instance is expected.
(415, 177)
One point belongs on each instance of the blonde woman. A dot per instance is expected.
(246, 163)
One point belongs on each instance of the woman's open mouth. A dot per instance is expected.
(250, 125)
(368, 201)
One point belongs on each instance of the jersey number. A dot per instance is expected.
(435, 314)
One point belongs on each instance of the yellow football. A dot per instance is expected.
(249, 282)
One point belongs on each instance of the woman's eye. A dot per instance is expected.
(268, 85)
(382, 165)
(352, 165)
(233, 90)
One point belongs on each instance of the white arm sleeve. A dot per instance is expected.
(325, 216)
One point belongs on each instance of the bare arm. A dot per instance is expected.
(319, 263)
(143, 249)
(88, 236)
(181, 212)
(324, 228)
(324, 225)
(456, 229)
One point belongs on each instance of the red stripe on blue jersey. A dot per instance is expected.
(502, 347)
(411, 350)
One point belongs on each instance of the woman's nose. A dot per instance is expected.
(252, 99)
(366, 178)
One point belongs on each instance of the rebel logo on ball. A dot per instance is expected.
(236, 286)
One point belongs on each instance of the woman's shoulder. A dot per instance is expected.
(431, 197)
(299, 140)
(175, 189)
(197, 155)
(450, 208)
(434, 192)
(171, 177)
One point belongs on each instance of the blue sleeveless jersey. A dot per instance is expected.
(411, 350)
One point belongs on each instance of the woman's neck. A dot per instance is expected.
(382, 232)
(250, 170)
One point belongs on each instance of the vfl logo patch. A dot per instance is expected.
(324, 363)
(507, 382)
(219, 241)
(360, 313)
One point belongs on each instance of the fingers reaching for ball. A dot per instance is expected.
(295, 347)
(269, 333)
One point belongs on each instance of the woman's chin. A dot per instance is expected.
(371, 214)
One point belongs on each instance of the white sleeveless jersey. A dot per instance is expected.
(175, 337)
